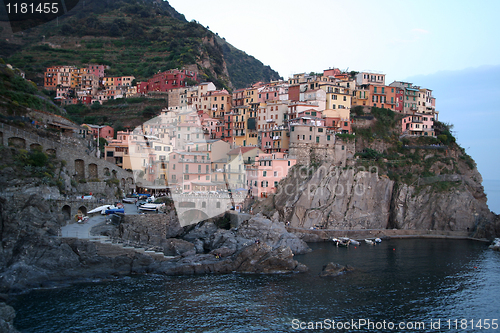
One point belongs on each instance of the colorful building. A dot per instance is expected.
(264, 175)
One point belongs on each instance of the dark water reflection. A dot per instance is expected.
(398, 281)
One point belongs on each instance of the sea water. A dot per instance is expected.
(418, 283)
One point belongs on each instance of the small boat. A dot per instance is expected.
(354, 242)
(99, 209)
(369, 242)
(378, 240)
(129, 200)
(150, 206)
(114, 210)
(343, 241)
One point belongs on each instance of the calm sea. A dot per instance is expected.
(413, 282)
(492, 189)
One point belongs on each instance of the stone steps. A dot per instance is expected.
(109, 248)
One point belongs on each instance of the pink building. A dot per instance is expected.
(265, 174)
(106, 132)
(190, 171)
(418, 125)
(97, 70)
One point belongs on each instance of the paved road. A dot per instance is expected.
(82, 230)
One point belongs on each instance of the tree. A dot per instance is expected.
(102, 143)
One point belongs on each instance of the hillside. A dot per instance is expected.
(133, 38)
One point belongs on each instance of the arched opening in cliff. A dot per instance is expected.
(82, 210)
(93, 171)
(15, 142)
(36, 146)
(66, 211)
(106, 172)
(79, 169)
(193, 215)
(123, 182)
(114, 173)
(51, 151)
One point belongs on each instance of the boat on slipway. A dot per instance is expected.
(150, 206)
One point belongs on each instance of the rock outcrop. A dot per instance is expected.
(332, 269)
(7, 315)
(32, 255)
(495, 245)
(350, 199)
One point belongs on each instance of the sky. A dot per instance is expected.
(451, 47)
(398, 38)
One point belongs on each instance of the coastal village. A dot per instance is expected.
(207, 139)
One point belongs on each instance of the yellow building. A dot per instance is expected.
(76, 76)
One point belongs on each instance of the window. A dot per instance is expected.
(317, 139)
(328, 138)
(264, 173)
(275, 184)
(342, 147)
(186, 177)
(310, 129)
(275, 173)
(320, 130)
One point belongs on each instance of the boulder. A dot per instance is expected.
(223, 251)
(202, 230)
(261, 258)
(495, 245)
(178, 247)
(272, 233)
(7, 315)
(332, 269)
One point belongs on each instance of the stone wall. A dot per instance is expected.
(338, 153)
(150, 229)
(80, 159)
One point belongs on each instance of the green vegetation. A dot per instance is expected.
(415, 161)
(384, 127)
(133, 38)
(243, 69)
(345, 136)
(120, 114)
(18, 94)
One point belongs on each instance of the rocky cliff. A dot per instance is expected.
(335, 198)
(393, 182)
